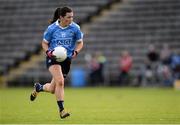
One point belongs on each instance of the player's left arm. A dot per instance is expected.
(79, 42)
(78, 48)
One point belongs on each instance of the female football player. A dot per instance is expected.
(62, 32)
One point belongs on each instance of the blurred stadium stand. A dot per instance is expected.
(126, 25)
(22, 25)
(132, 25)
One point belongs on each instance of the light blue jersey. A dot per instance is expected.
(55, 35)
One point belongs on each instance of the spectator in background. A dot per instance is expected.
(93, 66)
(125, 64)
(165, 55)
(175, 65)
(100, 72)
(151, 65)
(164, 69)
(96, 67)
(152, 55)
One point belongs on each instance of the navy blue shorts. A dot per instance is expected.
(65, 65)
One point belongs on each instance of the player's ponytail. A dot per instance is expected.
(56, 15)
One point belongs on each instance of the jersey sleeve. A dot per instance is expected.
(47, 35)
(79, 35)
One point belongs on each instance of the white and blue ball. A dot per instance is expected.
(60, 53)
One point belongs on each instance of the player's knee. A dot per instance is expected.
(60, 82)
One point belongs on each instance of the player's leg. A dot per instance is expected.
(48, 87)
(56, 72)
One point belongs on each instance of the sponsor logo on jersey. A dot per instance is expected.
(64, 42)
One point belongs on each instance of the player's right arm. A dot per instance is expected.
(45, 45)
(45, 42)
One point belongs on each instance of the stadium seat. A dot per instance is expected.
(129, 25)
(23, 22)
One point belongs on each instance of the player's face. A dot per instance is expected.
(66, 20)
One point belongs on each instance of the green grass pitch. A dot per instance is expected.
(93, 106)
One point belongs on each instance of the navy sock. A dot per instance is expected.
(41, 88)
(60, 105)
(38, 87)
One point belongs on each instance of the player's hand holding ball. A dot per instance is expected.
(49, 53)
(75, 53)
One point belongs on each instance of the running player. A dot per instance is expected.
(62, 32)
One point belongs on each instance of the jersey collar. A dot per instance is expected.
(57, 23)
